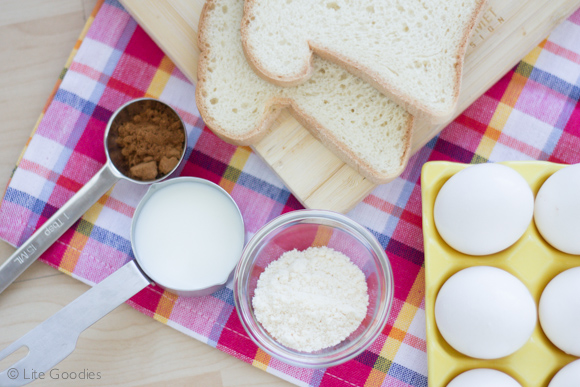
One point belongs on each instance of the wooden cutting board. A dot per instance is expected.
(506, 32)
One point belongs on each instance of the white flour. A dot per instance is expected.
(312, 299)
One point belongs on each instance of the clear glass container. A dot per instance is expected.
(300, 230)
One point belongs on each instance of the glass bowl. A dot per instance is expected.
(300, 230)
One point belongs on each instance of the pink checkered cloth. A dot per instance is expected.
(531, 113)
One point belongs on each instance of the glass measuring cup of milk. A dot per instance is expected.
(187, 236)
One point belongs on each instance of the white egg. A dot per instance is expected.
(483, 377)
(569, 376)
(557, 210)
(483, 209)
(485, 312)
(560, 311)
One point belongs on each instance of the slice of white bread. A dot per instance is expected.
(412, 51)
(351, 118)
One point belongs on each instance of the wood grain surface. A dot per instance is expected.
(125, 348)
(505, 33)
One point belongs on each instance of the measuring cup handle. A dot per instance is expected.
(53, 340)
(54, 227)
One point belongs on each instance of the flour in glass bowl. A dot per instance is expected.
(312, 299)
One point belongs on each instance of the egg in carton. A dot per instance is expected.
(487, 260)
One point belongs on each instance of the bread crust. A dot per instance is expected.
(246, 138)
(412, 105)
(273, 110)
(329, 140)
(302, 76)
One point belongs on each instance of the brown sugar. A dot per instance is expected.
(151, 142)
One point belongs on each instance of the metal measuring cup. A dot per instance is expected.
(113, 170)
(54, 339)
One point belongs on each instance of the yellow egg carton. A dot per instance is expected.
(531, 259)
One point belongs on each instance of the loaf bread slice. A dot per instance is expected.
(360, 125)
(412, 51)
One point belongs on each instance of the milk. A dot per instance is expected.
(188, 235)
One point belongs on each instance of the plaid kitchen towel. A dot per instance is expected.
(531, 113)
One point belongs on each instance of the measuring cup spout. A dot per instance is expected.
(58, 223)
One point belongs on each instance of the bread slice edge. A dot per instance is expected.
(412, 105)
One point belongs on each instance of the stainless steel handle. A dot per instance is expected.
(54, 227)
(53, 340)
